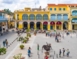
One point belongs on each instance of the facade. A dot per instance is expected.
(54, 17)
(3, 22)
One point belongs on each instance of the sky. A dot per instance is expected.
(21, 4)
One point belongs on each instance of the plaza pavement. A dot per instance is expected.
(68, 43)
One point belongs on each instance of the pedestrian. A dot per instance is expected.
(37, 48)
(46, 57)
(60, 53)
(29, 52)
(4, 43)
(63, 52)
(68, 52)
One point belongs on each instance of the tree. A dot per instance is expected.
(7, 11)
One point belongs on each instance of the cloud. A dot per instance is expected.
(20, 4)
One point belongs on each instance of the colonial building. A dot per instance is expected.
(54, 17)
(3, 22)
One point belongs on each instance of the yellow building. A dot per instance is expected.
(54, 17)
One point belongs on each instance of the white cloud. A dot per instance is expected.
(20, 4)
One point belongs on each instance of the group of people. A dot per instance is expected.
(63, 51)
(5, 43)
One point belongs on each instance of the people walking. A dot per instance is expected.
(63, 52)
(68, 52)
(60, 53)
(29, 52)
(46, 56)
(37, 48)
(4, 43)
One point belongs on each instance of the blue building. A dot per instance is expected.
(3, 22)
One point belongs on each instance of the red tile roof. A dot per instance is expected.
(1, 10)
(62, 5)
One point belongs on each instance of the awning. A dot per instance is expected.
(3, 19)
(52, 23)
(45, 23)
(58, 23)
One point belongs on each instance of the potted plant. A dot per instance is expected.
(27, 38)
(21, 38)
(18, 56)
(24, 41)
(2, 51)
(29, 35)
(21, 46)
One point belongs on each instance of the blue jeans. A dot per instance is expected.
(28, 54)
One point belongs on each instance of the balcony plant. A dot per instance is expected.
(21, 46)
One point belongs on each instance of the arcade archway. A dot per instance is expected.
(65, 26)
(31, 25)
(38, 24)
(25, 25)
(52, 25)
(58, 25)
(45, 25)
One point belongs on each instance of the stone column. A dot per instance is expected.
(28, 25)
(55, 26)
(62, 26)
(41, 25)
(48, 25)
(15, 24)
(20, 25)
(35, 25)
(6, 26)
(69, 25)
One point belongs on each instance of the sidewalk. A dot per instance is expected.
(17, 50)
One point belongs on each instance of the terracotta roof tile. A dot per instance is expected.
(62, 4)
(57, 5)
(1, 10)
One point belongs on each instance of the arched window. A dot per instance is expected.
(45, 17)
(65, 17)
(38, 17)
(74, 13)
(59, 16)
(32, 17)
(74, 20)
(53, 17)
(24, 17)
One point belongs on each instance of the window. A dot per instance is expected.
(0, 14)
(54, 8)
(64, 9)
(50, 8)
(59, 8)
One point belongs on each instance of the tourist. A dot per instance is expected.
(60, 53)
(68, 52)
(63, 52)
(46, 57)
(37, 48)
(29, 52)
(4, 43)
